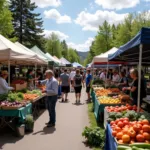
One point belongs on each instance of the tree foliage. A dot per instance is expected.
(28, 26)
(110, 36)
(6, 27)
(60, 49)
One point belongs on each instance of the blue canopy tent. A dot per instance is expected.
(77, 65)
(136, 50)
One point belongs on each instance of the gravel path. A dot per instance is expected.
(71, 119)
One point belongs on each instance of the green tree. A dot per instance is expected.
(64, 49)
(6, 27)
(28, 26)
(73, 56)
(53, 45)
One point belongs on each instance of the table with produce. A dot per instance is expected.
(127, 129)
(15, 106)
(107, 97)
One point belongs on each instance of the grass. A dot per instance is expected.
(93, 122)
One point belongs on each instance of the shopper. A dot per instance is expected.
(30, 79)
(134, 87)
(4, 88)
(123, 82)
(115, 77)
(77, 83)
(71, 76)
(52, 92)
(88, 83)
(103, 75)
(65, 85)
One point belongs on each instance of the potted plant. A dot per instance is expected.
(29, 123)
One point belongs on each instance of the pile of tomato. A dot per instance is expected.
(121, 108)
(127, 132)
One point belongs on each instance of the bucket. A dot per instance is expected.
(21, 130)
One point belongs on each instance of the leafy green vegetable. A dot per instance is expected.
(3, 97)
(38, 92)
(95, 136)
(12, 97)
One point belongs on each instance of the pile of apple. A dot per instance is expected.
(121, 108)
(127, 132)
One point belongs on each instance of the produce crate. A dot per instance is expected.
(10, 107)
(18, 87)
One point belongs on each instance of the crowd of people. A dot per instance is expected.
(72, 80)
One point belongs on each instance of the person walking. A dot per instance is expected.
(77, 83)
(65, 85)
(71, 76)
(51, 92)
(88, 83)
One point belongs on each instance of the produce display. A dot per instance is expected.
(102, 92)
(98, 82)
(131, 115)
(38, 92)
(129, 132)
(109, 100)
(42, 87)
(8, 104)
(30, 97)
(135, 146)
(3, 97)
(121, 108)
(114, 90)
(18, 81)
(12, 97)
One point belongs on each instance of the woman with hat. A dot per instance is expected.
(4, 88)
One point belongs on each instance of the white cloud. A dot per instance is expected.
(81, 47)
(60, 35)
(47, 3)
(54, 14)
(91, 22)
(117, 4)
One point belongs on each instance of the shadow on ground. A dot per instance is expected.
(45, 130)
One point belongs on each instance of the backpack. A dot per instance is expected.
(78, 79)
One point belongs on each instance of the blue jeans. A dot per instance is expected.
(51, 104)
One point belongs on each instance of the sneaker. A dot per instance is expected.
(62, 100)
(51, 125)
(66, 100)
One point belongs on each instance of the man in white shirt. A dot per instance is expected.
(103, 75)
(115, 77)
(72, 74)
(4, 88)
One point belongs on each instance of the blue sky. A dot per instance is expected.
(77, 21)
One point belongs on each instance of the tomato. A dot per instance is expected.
(125, 131)
(118, 129)
(119, 135)
(140, 132)
(132, 133)
(114, 133)
(127, 119)
(112, 122)
(121, 119)
(146, 128)
(120, 124)
(146, 136)
(116, 122)
(140, 138)
(126, 138)
(145, 122)
(125, 122)
(137, 127)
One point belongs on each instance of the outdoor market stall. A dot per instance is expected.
(132, 126)
(76, 65)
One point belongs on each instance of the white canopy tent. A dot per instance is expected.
(104, 56)
(13, 53)
(39, 58)
(65, 61)
(52, 58)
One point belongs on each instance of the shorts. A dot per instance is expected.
(78, 89)
(88, 89)
(65, 89)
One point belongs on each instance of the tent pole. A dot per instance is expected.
(139, 76)
(9, 72)
(35, 75)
